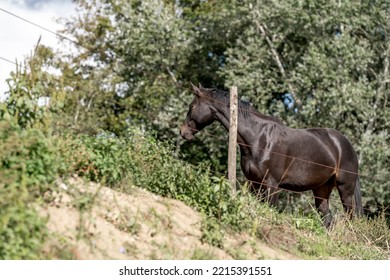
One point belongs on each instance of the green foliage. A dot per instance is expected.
(76, 157)
(139, 50)
(28, 163)
(22, 232)
(28, 167)
(98, 158)
(29, 103)
(375, 160)
(212, 232)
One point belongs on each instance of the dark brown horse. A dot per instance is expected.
(274, 156)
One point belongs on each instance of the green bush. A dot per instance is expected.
(27, 159)
(28, 167)
(22, 232)
(100, 158)
(76, 158)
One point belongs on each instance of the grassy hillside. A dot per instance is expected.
(92, 221)
(136, 225)
(38, 189)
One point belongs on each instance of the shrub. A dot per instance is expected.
(22, 232)
(28, 166)
(27, 158)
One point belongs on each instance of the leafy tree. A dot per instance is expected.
(321, 63)
(32, 94)
(135, 50)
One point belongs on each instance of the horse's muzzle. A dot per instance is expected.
(186, 132)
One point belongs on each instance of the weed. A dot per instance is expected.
(237, 253)
(22, 233)
(129, 224)
(202, 254)
(212, 232)
(130, 249)
(83, 201)
(60, 248)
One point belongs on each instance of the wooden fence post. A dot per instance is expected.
(232, 154)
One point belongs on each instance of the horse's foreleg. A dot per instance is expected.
(321, 195)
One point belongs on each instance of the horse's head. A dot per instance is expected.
(200, 114)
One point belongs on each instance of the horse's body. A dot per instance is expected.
(275, 156)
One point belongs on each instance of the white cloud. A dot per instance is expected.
(18, 38)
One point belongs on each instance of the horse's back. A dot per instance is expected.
(313, 144)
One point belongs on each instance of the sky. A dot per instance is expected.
(18, 38)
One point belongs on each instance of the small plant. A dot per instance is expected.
(129, 224)
(212, 232)
(201, 254)
(22, 233)
(84, 202)
(60, 248)
(76, 157)
(311, 222)
(129, 249)
(27, 157)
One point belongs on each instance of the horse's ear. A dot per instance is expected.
(197, 90)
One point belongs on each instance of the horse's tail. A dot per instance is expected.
(358, 199)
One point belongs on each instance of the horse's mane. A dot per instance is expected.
(245, 109)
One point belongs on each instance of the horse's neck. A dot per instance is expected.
(248, 128)
(243, 129)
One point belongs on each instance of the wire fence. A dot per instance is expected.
(251, 111)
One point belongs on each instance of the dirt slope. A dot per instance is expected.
(89, 221)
